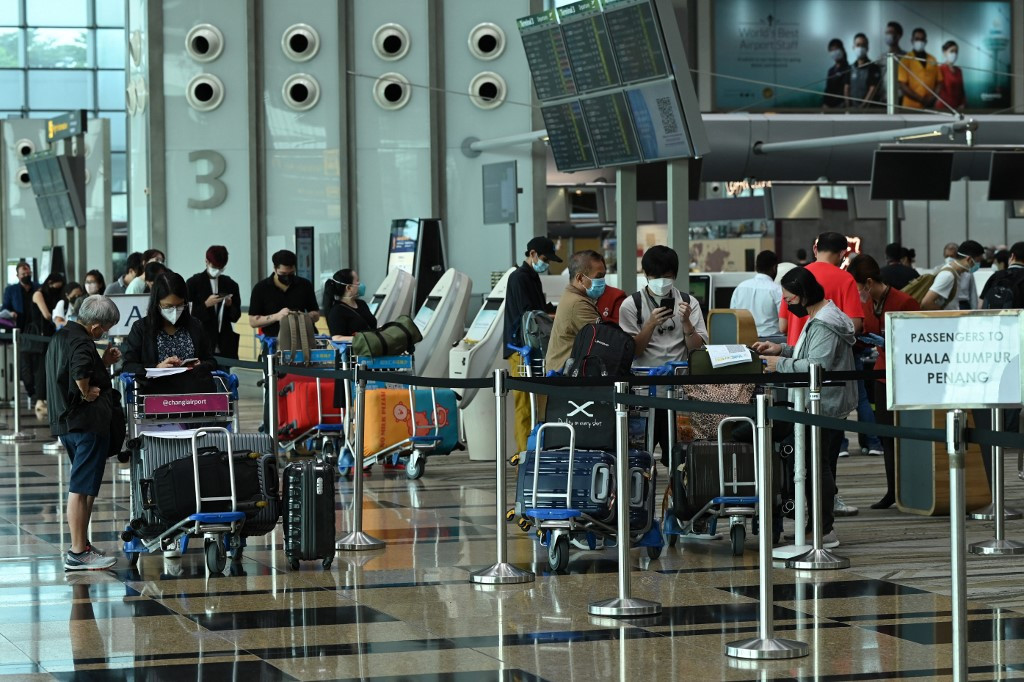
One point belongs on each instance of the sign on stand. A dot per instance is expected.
(954, 360)
(132, 307)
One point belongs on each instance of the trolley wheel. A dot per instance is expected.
(558, 554)
(672, 540)
(738, 535)
(293, 564)
(414, 471)
(346, 473)
(133, 559)
(127, 536)
(654, 552)
(216, 557)
(327, 563)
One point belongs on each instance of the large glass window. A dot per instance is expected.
(57, 55)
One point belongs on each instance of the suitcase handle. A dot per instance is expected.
(601, 483)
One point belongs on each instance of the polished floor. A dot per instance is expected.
(409, 612)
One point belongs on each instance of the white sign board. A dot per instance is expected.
(132, 309)
(947, 360)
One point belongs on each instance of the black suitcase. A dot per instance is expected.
(695, 479)
(173, 490)
(593, 484)
(309, 504)
(266, 518)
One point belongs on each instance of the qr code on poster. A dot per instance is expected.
(668, 115)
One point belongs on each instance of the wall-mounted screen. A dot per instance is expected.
(547, 56)
(568, 136)
(794, 202)
(1006, 177)
(911, 175)
(589, 46)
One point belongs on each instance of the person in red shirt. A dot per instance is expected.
(951, 89)
(839, 286)
(608, 304)
(879, 298)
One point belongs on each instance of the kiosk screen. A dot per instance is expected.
(426, 312)
(483, 320)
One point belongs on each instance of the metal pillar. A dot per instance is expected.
(892, 231)
(625, 605)
(625, 227)
(17, 436)
(357, 540)
(679, 218)
(501, 572)
(765, 646)
(956, 426)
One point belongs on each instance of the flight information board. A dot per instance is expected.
(568, 136)
(589, 46)
(547, 56)
(611, 130)
(636, 39)
(658, 118)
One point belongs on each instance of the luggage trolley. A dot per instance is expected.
(531, 365)
(159, 411)
(328, 355)
(221, 531)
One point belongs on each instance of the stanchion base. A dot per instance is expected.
(17, 437)
(997, 548)
(624, 608)
(988, 513)
(359, 541)
(818, 560)
(767, 649)
(790, 551)
(502, 574)
(54, 448)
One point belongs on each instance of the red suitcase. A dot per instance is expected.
(297, 412)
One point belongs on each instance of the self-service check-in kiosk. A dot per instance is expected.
(476, 356)
(394, 297)
(441, 320)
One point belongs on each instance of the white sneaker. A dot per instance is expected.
(844, 453)
(840, 508)
(830, 541)
(87, 561)
(875, 452)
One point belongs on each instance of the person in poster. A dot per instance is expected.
(893, 35)
(837, 87)
(919, 74)
(865, 75)
(952, 89)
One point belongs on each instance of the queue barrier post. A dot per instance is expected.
(818, 558)
(625, 605)
(501, 572)
(357, 540)
(956, 443)
(766, 646)
(17, 436)
(997, 510)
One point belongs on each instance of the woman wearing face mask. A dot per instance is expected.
(347, 313)
(951, 88)
(837, 87)
(62, 312)
(169, 336)
(826, 340)
(41, 323)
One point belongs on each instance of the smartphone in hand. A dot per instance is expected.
(191, 362)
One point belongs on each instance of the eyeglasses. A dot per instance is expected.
(171, 307)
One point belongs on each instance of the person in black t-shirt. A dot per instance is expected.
(837, 87)
(281, 293)
(347, 314)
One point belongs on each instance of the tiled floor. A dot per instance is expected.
(409, 612)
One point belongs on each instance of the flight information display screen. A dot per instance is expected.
(611, 130)
(589, 46)
(547, 56)
(636, 40)
(568, 136)
(658, 117)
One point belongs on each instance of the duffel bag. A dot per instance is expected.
(394, 338)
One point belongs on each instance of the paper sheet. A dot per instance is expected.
(157, 372)
(725, 356)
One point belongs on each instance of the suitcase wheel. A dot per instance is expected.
(327, 563)
(510, 514)
(654, 552)
(514, 460)
(293, 564)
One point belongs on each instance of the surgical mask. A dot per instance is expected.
(951, 57)
(919, 45)
(26, 280)
(540, 267)
(172, 314)
(92, 288)
(285, 280)
(214, 272)
(360, 290)
(975, 267)
(660, 286)
(860, 51)
(890, 39)
(797, 309)
(837, 55)
(596, 287)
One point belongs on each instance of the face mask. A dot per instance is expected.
(360, 290)
(540, 267)
(172, 314)
(890, 39)
(860, 51)
(919, 45)
(660, 287)
(798, 310)
(92, 288)
(975, 267)
(285, 280)
(26, 280)
(214, 272)
(951, 57)
(837, 55)
(596, 288)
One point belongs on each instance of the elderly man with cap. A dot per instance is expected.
(524, 293)
(216, 302)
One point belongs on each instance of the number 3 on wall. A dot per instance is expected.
(218, 190)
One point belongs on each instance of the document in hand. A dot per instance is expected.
(157, 372)
(724, 356)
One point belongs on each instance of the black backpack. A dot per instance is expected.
(1006, 292)
(601, 349)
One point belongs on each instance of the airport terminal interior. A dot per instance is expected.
(458, 272)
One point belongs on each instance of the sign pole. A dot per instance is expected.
(956, 427)
(999, 545)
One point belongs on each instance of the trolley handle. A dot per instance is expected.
(536, 461)
(721, 455)
(199, 433)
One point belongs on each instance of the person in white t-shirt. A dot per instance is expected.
(762, 297)
(943, 294)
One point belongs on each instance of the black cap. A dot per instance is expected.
(544, 247)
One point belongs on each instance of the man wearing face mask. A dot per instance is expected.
(919, 74)
(893, 35)
(216, 302)
(578, 307)
(281, 293)
(665, 324)
(524, 293)
(952, 88)
(18, 296)
(943, 293)
(865, 75)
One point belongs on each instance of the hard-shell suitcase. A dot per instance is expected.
(593, 484)
(297, 405)
(309, 503)
(389, 419)
(153, 450)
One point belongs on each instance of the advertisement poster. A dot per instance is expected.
(763, 44)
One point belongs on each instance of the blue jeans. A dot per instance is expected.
(864, 412)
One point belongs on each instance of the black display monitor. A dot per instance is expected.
(611, 130)
(700, 286)
(636, 39)
(568, 136)
(547, 56)
(58, 183)
(417, 246)
(589, 46)
(1006, 177)
(911, 175)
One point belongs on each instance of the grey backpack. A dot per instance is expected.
(536, 330)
